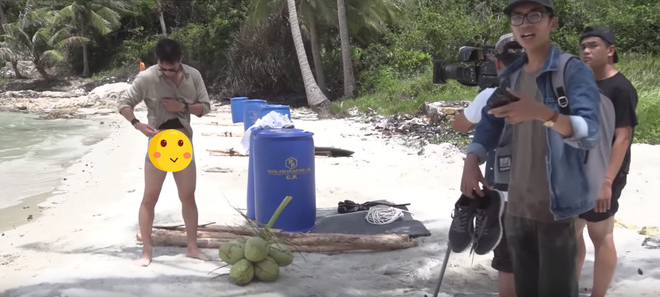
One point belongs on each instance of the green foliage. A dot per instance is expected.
(643, 72)
(392, 95)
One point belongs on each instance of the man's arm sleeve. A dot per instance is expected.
(133, 95)
(202, 94)
(486, 135)
(584, 102)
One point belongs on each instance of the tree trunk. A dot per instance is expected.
(41, 70)
(316, 54)
(347, 64)
(84, 46)
(315, 98)
(17, 73)
(3, 19)
(163, 27)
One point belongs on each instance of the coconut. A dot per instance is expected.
(256, 249)
(242, 272)
(231, 252)
(266, 270)
(281, 254)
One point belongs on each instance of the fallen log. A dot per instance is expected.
(211, 237)
(224, 124)
(223, 134)
(227, 152)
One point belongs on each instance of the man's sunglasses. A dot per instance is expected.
(532, 17)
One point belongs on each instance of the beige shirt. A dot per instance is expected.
(151, 86)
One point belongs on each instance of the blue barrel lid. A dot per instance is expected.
(283, 133)
(256, 100)
(238, 98)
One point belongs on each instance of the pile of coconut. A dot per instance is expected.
(255, 257)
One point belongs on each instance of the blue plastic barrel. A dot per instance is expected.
(250, 184)
(237, 108)
(250, 112)
(284, 166)
(267, 108)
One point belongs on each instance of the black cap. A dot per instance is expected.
(507, 44)
(507, 49)
(604, 32)
(514, 3)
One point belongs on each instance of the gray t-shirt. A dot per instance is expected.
(529, 192)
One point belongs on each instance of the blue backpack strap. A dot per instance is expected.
(559, 84)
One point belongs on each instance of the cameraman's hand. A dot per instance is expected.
(523, 110)
(146, 129)
(472, 176)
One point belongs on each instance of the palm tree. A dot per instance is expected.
(365, 19)
(36, 37)
(312, 14)
(371, 15)
(315, 98)
(102, 16)
(347, 62)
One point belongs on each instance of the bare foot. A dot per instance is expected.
(145, 260)
(197, 254)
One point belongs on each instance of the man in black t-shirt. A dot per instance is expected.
(597, 44)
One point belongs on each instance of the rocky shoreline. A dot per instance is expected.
(76, 103)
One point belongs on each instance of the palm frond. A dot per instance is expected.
(112, 17)
(41, 37)
(259, 11)
(7, 54)
(98, 23)
(72, 41)
(51, 57)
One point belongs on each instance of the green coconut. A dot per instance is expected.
(281, 254)
(232, 252)
(242, 272)
(256, 249)
(266, 270)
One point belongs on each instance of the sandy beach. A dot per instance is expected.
(82, 242)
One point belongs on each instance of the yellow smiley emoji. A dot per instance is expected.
(170, 150)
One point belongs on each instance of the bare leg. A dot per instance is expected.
(602, 236)
(506, 285)
(581, 247)
(186, 180)
(153, 183)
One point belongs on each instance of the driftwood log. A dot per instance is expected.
(223, 134)
(227, 152)
(212, 236)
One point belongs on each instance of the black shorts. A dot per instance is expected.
(501, 256)
(617, 187)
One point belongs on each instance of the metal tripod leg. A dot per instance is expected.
(442, 272)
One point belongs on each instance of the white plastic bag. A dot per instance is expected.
(271, 120)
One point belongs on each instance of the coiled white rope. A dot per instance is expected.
(383, 215)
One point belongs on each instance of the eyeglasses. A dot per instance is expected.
(533, 17)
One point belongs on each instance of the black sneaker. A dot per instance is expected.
(488, 222)
(462, 228)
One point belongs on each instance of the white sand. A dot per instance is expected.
(84, 243)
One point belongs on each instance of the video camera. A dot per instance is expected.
(483, 73)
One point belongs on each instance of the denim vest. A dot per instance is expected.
(569, 187)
